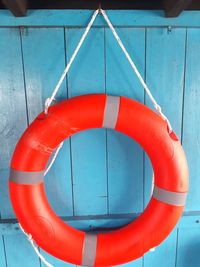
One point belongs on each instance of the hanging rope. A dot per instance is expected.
(157, 107)
(49, 100)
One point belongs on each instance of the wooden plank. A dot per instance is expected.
(165, 77)
(44, 61)
(17, 7)
(13, 115)
(188, 247)
(158, 257)
(88, 147)
(191, 121)
(80, 18)
(19, 252)
(173, 8)
(125, 157)
(101, 222)
(82, 223)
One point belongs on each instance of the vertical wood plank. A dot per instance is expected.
(125, 157)
(164, 255)
(13, 117)
(191, 121)
(88, 147)
(188, 247)
(165, 77)
(2, 252)
(44, 61)
(19, 252)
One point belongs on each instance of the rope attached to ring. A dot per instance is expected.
(30, 239)
(49, 100)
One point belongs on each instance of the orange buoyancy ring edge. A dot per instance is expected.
(96, 111)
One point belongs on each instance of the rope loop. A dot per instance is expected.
(49, 100)
(132, 64)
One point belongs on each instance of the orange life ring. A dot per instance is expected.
(95, 111)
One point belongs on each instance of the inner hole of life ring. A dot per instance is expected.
(101, 179)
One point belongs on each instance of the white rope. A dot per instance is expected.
(157, 107)
(49, 100)
(30, 239)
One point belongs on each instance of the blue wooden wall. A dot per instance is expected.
(101, 179)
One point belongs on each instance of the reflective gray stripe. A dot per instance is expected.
(169, 197)
(89, 250)
(24, 177)
(111, 111)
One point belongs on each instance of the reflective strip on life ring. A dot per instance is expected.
(89, 250)
(24, 177)
(98, 111)
(168, 197)
(111, 112)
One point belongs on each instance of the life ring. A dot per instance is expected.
(95, 111)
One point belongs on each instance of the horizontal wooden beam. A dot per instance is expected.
(173, 8)
(17, 7)
(94, 223)
(80, 18)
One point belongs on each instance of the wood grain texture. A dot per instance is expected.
(44, 61)
(125, 157)
(191, 120)
(13, 117)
